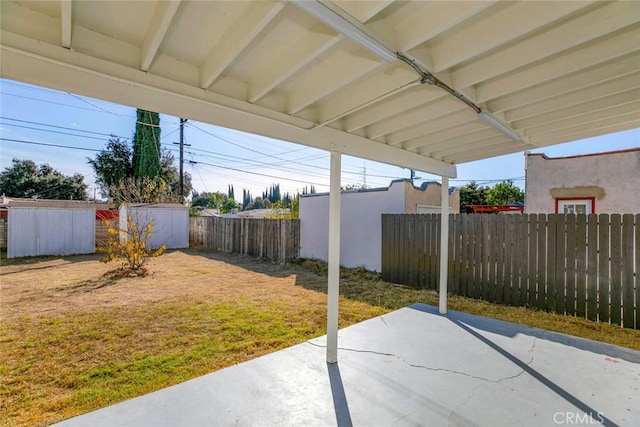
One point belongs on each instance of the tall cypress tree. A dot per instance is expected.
(146, 144)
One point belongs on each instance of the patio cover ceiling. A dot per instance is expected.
(550, 71)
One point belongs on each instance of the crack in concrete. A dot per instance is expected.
(450, 371)
(468, 398)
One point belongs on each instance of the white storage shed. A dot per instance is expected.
(170, 222)
(34, 231)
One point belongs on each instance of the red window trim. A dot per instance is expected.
(592, 199)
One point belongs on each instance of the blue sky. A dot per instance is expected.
(31, 114)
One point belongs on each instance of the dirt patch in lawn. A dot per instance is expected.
(82, 283)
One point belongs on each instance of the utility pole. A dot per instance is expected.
(182, 144)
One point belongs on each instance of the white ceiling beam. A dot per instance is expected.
(582, 79)
(62, 69)
(363, 10)
(484, 153)
(602, 51)
(385, 82)
(237, 38)
(592, 124)
(430, 111)
(622, 84)
(433, 19)
(467, 134)
(160, 22)
(66, 10)
(483, 144)
(325, 78)
(598, 23)
(584, 119)
(397, 104)
(576, 110)
(286, 64)
(457, 118)
(498, 29)
(590, 133)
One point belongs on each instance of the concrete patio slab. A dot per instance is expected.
(411, 367)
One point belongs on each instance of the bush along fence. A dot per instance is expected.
(276, 240)
(582, 265)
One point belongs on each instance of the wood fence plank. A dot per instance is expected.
(581, 265)
(541, 276)
(405, 249)
(570, 266)
(450, 255)
(435, 251)
(412, 250)
(509, 256)
(395, 272)
(532, 263)
(486, 250)
(500, 257)
(628, 309)
(468, 263)
(477, 256)
(515, 259)
(464, 253)
(552, 221)
(523, 259)
(592, 267)
(384, 249)
(457, 244)
(561, 256)
(616, 269)
(637, 271)
(603, 268)
(424, 262)
(494, 243)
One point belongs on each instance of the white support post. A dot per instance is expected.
(334, 258)
(444, 244)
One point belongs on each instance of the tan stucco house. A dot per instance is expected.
(592, 183)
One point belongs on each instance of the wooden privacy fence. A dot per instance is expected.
(276, 240)
(582, 265)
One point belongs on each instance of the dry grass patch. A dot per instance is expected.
(74, 339)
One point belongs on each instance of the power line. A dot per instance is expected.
(57, 127)
(49, 145)
(261, 174)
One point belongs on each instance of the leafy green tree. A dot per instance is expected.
(115, 164)
(350, 187)
(217, 200)
(143, 190)
(472, 194)
(26, 179)
(504, 193)
(112, 165)
(246, 198)
(146, 144)
(258, 203)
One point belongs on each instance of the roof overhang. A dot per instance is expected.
(541, 73)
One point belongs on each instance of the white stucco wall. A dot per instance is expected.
(612, 178)
(361, 225)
